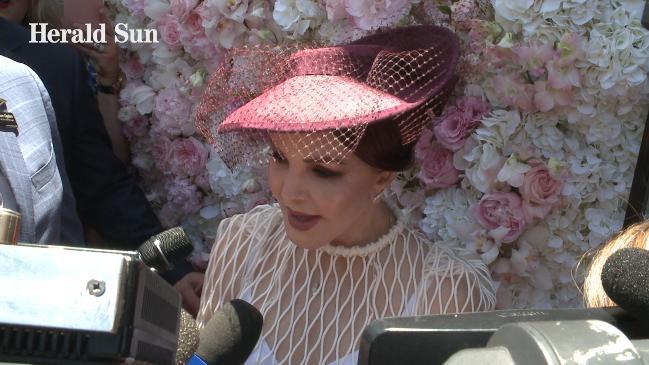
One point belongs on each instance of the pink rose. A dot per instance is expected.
(169, 31)
(540, 192)
(189, 156)
(454, 129)
(501, 213)
(437, 170)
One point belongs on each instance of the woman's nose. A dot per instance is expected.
(293, 187)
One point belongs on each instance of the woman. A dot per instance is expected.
(332, 256)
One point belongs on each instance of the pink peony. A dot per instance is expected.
(188, 156)
(184, 195)
(172, 111)
(501, 213)
(336, 10)
(437, 170)
(135, 128)
(540, 192)
(181, 8)
(169, 31)
(161, 152)
(132, 68)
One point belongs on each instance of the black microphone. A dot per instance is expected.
(625, 278)
(230, 335)
(165, 249)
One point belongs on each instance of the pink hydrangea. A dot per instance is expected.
(511, 90)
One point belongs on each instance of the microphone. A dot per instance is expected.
(187, 338)
(9, 224)
(165, 249)
(230, 335)
(625, 278)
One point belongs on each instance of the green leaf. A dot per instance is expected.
(444, 9)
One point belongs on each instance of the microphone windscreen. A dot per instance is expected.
(187, 338)
(231, 334)
(165, 248)
(625, 278)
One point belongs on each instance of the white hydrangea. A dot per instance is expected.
(447, 216)
(297, 16)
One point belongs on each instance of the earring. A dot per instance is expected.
(377, 197)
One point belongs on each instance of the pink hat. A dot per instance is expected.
(330, 95)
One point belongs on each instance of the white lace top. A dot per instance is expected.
(316, 303)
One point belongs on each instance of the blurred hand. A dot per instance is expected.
(190, 287)
(106, 57)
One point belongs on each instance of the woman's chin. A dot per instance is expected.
(304, 241)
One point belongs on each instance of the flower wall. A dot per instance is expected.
(529, 165)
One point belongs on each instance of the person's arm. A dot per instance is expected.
(108, 196)
(106, 62)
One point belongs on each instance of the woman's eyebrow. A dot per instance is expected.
(324, 160)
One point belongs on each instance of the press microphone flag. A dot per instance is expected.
(69, 305)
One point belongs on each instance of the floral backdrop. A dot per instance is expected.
(529, 166)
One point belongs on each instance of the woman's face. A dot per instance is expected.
(321, 202)
(15, 10)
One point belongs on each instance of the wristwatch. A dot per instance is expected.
(111, 89)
